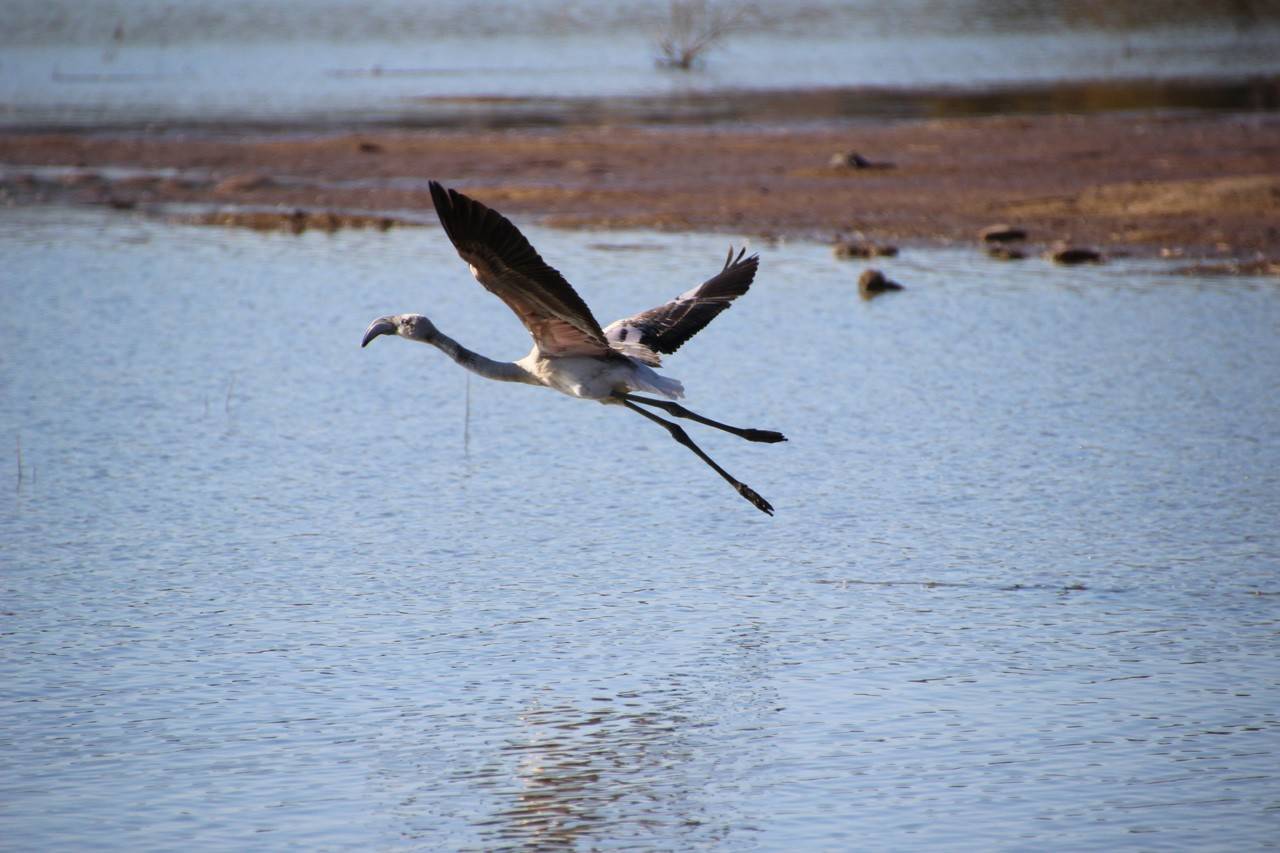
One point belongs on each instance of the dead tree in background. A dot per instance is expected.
(695, 26)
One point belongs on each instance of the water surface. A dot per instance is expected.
(264, 588)
(135, 62)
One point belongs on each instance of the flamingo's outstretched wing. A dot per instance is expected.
(502, 260)
(665, 329)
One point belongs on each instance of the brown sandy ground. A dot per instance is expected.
(1199, 185)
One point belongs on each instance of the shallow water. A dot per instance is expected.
(263, 588)
(64, 62)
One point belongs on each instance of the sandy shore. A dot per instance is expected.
(1197, 185)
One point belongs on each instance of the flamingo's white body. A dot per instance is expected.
(571, 352)
(593, 378)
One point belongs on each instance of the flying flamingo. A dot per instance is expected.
(571, 353)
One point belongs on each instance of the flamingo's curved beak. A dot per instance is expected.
(380, 326)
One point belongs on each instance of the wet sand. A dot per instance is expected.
(1202, 185)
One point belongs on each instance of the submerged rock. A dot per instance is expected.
(1070, 255)
(872, 283)
(1001, 233)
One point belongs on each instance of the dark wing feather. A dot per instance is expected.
(666, 328)
(502, 260)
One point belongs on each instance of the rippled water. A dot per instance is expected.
(65, 62)
(264, 589)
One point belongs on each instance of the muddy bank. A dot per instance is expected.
(1201, 185)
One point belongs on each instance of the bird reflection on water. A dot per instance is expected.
(578, 770)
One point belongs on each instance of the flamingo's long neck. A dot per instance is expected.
(501, 371)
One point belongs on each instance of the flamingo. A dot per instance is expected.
(571, 352)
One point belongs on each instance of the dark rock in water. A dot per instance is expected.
(848, 160)
(847, 249)
(1075, 255)
(872, 283)
(1001, 233)
(1005, 253)
(365, 147)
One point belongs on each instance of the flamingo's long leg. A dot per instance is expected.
(680, 411)
(678, 433)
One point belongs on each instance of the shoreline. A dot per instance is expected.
(1201, 185)
(818, 106)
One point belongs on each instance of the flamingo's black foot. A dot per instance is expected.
(756, 501)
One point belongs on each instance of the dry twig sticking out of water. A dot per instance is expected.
(695, 26)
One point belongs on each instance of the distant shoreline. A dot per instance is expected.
(1177, 181)
(814, 107)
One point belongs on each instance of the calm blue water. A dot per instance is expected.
(264, 589)
(335, 61)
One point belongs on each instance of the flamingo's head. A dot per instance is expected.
(415, 327)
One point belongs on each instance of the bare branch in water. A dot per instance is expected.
(695, 26)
